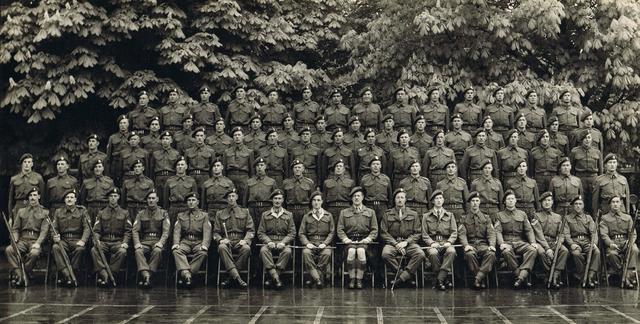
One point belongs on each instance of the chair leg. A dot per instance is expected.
(218, 274)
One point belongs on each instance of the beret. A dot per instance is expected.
(401, 132)
(576, 198)
(353, 118)
(398, 90)
(553, 119)
(96, 162)
(165, 134)
(529, 93)
(436, 193)
(497, 89)
(614, 196)
(437, 132)
(276, 192)
(61, 158)
(304, 129)
(419, 117)
(585, 115)
(142, 93)
(269, 132)
(610, 156)
(333, 166)
(254, 117)
(545, 195)
(478, 131)
(374, 159)
(93, 136)
(319, 118)
(233, 190)
(397, 191)
(236, 129)
(368, 131)
(180, 158)
(259, 160)
(449, 162)
(152, 191)
(508, 193)
(473, 194)
(314, 194)
(335, 92)
(204, 87)
(467, 89)
(69, 191)
(296, 162)
(336, 131)
(563, 161)
(136, 162)
(541, 134)
(356, 189)
(563, 91)
(33, 189)
(510, 133)
(454, 116)
(287, 116)
(114, 191)
(132, 134)
(173, 90)
(121, 117)
(218, 159)
(190, 195)
(582, 134)
(387, 117)
(238, 87)
(485, 162)
(219, 119)
(197, 130)
(520, 115)
(269, 91)
(487, 117)
(155, 118)
(431, 90)
(186, 117)
(414, 161)
(363, 91)
(520, 161)
(306, 88)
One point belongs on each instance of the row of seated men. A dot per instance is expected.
(401, 233)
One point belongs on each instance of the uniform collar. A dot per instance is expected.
(275, 213)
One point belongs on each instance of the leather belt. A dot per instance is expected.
(297, 206)
(237, 172)
(438, 172)
(439, 238)
(97, 204)
(112, 236)
(129, 173)
(172, 127)
(216, 204)
(236, 235)
(176, 204)
(338, 204)
(164, 173)
(620, 236)
(317, 237)
(586, 173)
(29, 233)
(509, 174)
(417, 204)
(524, 204)
(276, 237)
(376, 202)
(136, 204)
(454, 206)
(260, 204)
(71, 235)
(400, 238)
(198, 172)
(57, 204)
(563, 204)
(545, 173)
(151, 234)
(193, 237)
(580, 237)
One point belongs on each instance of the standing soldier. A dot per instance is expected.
(338, 151)
(417, 189)
(470, 112)
(239, 161)
(276, 157)
(234, 231)
(489, 189)
(87, 159)
(401, 110)
(369, 113)
(400, 230)
(565, 187)
(29, 229)
(587, 125)
(457, 139)
(298, 189)
(191, 240)
(387, 138)
(150, 233)
(308, 153)
(336, 113)
(525, 189)
(495, 141)
(94, 190)
(536, 117)
(173, 113)
(436, 158)
(618, 234)
(205, 112)
(151, 141)
(357, 229)
(259, 189)
(176, 189)
(354, 139)
(544, 160)
(509, 157)
(317, 230)
(131, 154)
(556, 138)
(117, 142)
(307, 111)
(69, 222)
(455, 190)
(435, 113)
(514, 235)
(321, 137)
(587, 162)
(501, 114)
(568, 114)
(610, 184)
(377, 188)
(182, 138)
(547, 226)
(142, 114)
(200, 157)
(400, 158)
(163, 162)
(255, 137)
(439, 232)
(240, 110)
(478, 239)
(277, 232)
(582, 236)
(273, 112)
(136, 189)
(475, 156)
(336, 189)
(526, 138)
(366, 153)
(219, 140)
(421, 139)
(59, 184)
(113, 230)
(214, 190)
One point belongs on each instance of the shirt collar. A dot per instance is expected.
(275, 213)
(317, 214)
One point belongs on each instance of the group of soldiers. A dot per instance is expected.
(418, 183)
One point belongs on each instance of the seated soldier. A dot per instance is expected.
(150, 233)
(317, 230)
(439, 232)
(547, 227)
(616, 230)
(582, 237)
(478, 238)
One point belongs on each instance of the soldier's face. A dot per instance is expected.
(321, 125)
(544, 140)
(481, 138)
(143, 100)
(588, 121)
(339, 169)
(113, 199)
(277, 201)
(500, 95)
(488, 124)
(554, 126)
(510, 201)
(547, 203)
(34, 198)
(123, 125)
(612, 165)
(440, 139)
(336, 98)
(355, 125)
(513, 139)
(93, 144)
(192, 202)
(438, 200)
(199, 136)
(62, 167)
(400, 199)
(616, 203)
(578, 206)
(272, 138)
(316, 202)
(187, 123)
(357, 197)
(306, 94)
(421, 124)
(434, 95)
(152, 200)
(487, 169)
(261, 168)
(388, 124)
(256, 124)
(98, 169)
(287, 123)
(587, 140)
(181, 167)
(138, 169)
(216, 169)
(273, 97)
(219, 126)
(468, 96)
(452, 169)
(338, 137)
(240, 93)
(205, 95)
(522, 168)
(298, 169)
(404, 139)
(134, 140)
(166, 141)
(232, 199)
(475, 203)
(173, 96)
(238, 137)
(565, 168)
(376, 166)
(566, 98)
(154, 126)
(457, 123)
(415, 168)
(522, 122)
(371, 138)
(367, 97)
(533, 98)
(70, 199)
(305, 137)
(401, 96)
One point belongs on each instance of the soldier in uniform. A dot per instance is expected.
(369, 113)
(298, 190)
(470, 112)
(556, 138)
(353, 138)
(135, 190)
(259, 189)
(205, 112)
(568, 114)
(234, 231)
(131, 154)
(308, 153)
(489, 189)
(433, 165)
(338, 151)
(142, 114)
(94, 190)
(544, 160)
(276, 157)
(420, 138)
(316, 233)
(163, 162)
(435, 113)
(596, 136)
(277, 232)
(610, 184)
(587, 163)
(200, 157)
(478, 239)
(321, 137)
(501, 114)
(72, 231)
(150, 233)
(526, 138)
(191, 240)
(151, 141)
(176, 189)
(182, 138)
(525, 189)
(218, 139)
(377, 188)
(367, 152)
(565, 187)
(417, 188)
(457, 139)
(288, 136)
(29, 229)
(618, 234)
(439, 232)
(336, 189)
(536, 117)
(475, 156)
(547, 226)
(273, 112)
(400, 230)
(240, 110)
(400, 158)
(21, 183)
(387, 138)
(401, 110)
(87, 159)
(213, 191)
(113, 230)
(117, 142)
(59, 184)
(238, 159)
(357, 229)
(306, 111)
(255, 138)
(455, 190)
(336, 113)
(514, 235)
(173, 113)
(582, 235)
(509, 156)
(495, 141)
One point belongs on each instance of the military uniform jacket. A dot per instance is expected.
(377, 187)
(387, 139)
(337, 188)
(205, 113)
(366, 154)
(117, 142)
(273, 114)
(335, 153)
(438, 226)
(214, 189)
(477, 229)
(546, 226)
(238, 222)
(394, 229)
(164, 160)
(151, 142)
(454, 189)
(322, 140)
(436, 158)
(305, 112)
(568, 116)
(254, 139)
(134, 190)
(565, 188)
(370, 114)
(86, 161)
(536, 117)
(172, 114)
(559, 141)
(509, 156)
(112, 225)
(219, 141)
(616, 223)
(544, 159)
(317, 231)
(474, 157)
(581, 224)
(297, 190)
(607, 185)
(357, 224)
(71, 221)
(354, 140)
(494, 141)
(501, 114)
(276, 157)
(337, 116)
(177, 187)
(239, 113)
(58, 185)
(141, 116)
(596, 138)
(513, 225)
(239, 158)
(95, 189)
(401, 158)
(259, 189)
(277, 229)
(471, 114)
(308, 153)
(30, 223)
(526, 139)
(422, 141)
(404, 115)
(288, 137)
(458, 141)
(490, 190)
(193, 225)
(526, 190)
(151, 223)
(131, 154)
(586, 159)
(436, 115)
(418, 188)
(200, 157)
